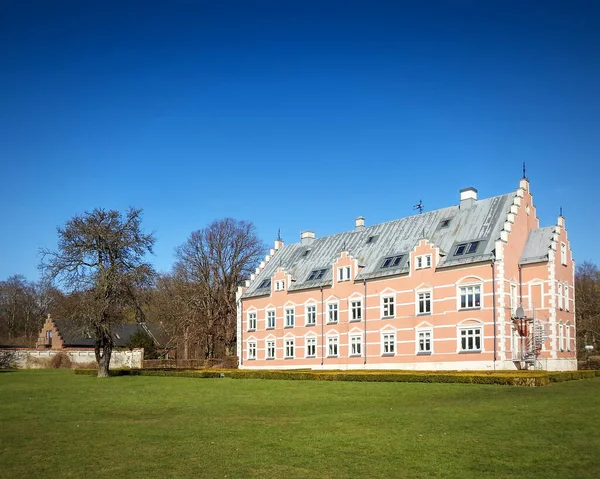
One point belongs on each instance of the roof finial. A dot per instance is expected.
(419, 207)
(279, 234)
(524, 172)
(561, 211)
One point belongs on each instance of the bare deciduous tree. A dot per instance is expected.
(210, 266)
(587, 304)
(100, 261)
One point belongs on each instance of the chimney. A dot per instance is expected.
(468, 197)
(307, 237)
(360, 223)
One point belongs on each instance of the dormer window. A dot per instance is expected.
(344, 273)
(444, 224)
(391, 261)
(265, 284)
(423, 261)
(316, 274)
(371, 239)
(466, 248)
(280, 285)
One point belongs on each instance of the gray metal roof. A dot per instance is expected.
(481, 222)
(537, 245)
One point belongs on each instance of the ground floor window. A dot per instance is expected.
(270, 349)
(311, 347)
(332, 346)
(424, 341)
(388, 343)
(355, 345)
(251, 350)
(289, 348)
(470, 339)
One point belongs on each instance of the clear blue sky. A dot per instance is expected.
(294, 115)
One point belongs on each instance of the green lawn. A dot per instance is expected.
(57, 424)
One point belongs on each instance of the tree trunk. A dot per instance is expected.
(103, 350)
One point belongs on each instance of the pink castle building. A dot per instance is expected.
(475, 286)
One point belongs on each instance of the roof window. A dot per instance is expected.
(265, 284)
(466, 248)
(371, 239)
(444, 224)
(316, 274)
(391, 261)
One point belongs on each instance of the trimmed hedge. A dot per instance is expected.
(506, 378)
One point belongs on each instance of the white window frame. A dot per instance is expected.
(514, 297)
(418, 302)
(251, 320)
(251, 350)
(268, 318)
(459, 289)
(568, 327)
(308, 342)
(388, 344)
(561, 337)
(333, 346)
(423, 261)
(333, 311)
(560, 295)
(287, 316)
(344, 273)
(424, 331)
(308, 315)
(385, 306)
(355, 310)
(566, 293)
(268, 342)
(280, 285)
(563, 253)
(289, 345)
(355, 345)
(474, 328)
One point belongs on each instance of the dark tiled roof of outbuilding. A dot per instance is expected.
(481, 222)
(75, 335)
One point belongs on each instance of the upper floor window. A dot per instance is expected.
(332, 312)
(566, 291)
(280, 285)
(344, 273)
(560, 296)
(355, 310)
(391, 261)
(265, 284)
(563, 253)
(251, 321)
(251, 350)
(423, 261)
(271, 319)
(470, 296)
(424, 302)
(387, 306)
(513, 298)
(316, 274)
(289, 317)
(470, 338)
(311, 315)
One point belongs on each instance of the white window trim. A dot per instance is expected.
(384, 296)
(248, 357)
(285, 348)
(566, 294)
(337, 339)
(306, 314)
(351, 312)
(285, 316)
(344, 273)
(337, 310)
(250, 328)
(424, 261)
(280, 285)
(466, 285)
(563, 253)
(424, 330)
(388, 333)
(422, 291)
(306, 340)
(267, 318)
(267, 341)
(559, 290)
(462, 327)
(360, 345)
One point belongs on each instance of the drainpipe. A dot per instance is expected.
(494, 301)
(365, 318)
(322, 329)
